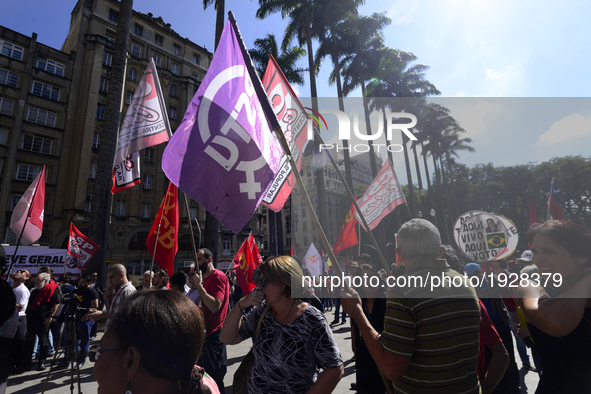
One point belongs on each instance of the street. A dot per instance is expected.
(59, 381)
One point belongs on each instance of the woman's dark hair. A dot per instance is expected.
(168, 330)
(163, 274)
(575, 238)
(179, 279)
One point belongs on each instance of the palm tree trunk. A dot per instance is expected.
(440, 199)
(413, 210)
(430, 190)
(452, 216)
(418, 169)
(372, 156)
(347, 158)
(101, 216)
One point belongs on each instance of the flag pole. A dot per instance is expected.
(67, 250)
(158, 236)
(190, 229)
(18, 242)
(352, 198)
(550, 199)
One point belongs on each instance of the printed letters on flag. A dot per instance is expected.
(28, 212)
(224, 154)
(168, 218)
(294, 124)
(246, 260)
(127, 173)
(145, 124)
(80, 248)
(382, 196)
(313, 261)
(348, 235)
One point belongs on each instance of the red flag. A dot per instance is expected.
(168, 219)
(348, 235)
(27, 216)
(533, 218)
(381, 197)
(80, 248)
(246, 260)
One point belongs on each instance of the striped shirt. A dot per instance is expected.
(440, 335)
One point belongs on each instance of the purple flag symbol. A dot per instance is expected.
(224, 154)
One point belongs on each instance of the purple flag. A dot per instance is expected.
(224, 154)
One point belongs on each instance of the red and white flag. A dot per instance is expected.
(145, 124)
(245, 262)
(80, 248)
(381, 197)
(168, 219)
(27, 216)
(554, 210)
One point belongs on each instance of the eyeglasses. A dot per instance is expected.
(101, 350)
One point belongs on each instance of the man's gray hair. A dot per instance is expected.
(44, 276)
(118, 269)
(419, 239)
(148, 272)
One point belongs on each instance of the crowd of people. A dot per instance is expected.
(170, 334)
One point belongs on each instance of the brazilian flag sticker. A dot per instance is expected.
(496, 240)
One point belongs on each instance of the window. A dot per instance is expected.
(147, 182)
(193, 213)
(26, 172)
(120, 208)
(176, 49)
(96, 141)
(145, 210)
(15, 199)
(196, 58)
(109, 40)
(128, 97)
(132, 75)
(36, 144)
(159, 39)
(174, 91)
(113, 16)
(6, 106)
(136, 50)
(176, 68)
(157, 59)
(138, 30)
(3, 136)
(226, 245)
(50, 66)
(88, 203)
(107, 59)
(92, 170)
(41, 116)
(172, 112)
(11, 50)
(8, 77)
(45, 90)
(149, 155)
(100, 112)
(104, 86)
(305, 226)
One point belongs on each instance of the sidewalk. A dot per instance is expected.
(59, 382)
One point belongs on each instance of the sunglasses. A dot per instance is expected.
(101, 350)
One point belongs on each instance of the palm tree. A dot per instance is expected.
(342, 37)
(100, 217)
(286, 60)
(220, 6)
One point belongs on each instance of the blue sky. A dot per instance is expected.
(475, 48)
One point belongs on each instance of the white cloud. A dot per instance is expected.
(492, 74)
(566, 129)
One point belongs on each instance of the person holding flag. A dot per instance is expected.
(214, 291)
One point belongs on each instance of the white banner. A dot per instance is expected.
(32, 258)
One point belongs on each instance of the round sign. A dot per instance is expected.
(483, 237)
